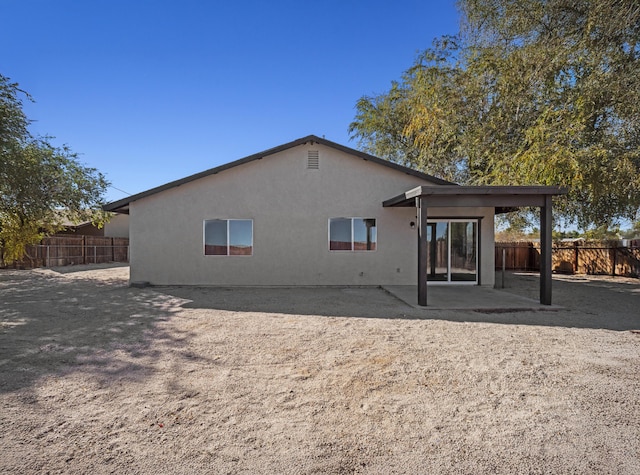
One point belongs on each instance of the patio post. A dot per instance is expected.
(546, 244)
(421, 206)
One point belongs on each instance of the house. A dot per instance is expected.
(117, 227)
(313, 212)
(85, 228)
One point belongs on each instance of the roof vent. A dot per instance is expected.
(313, 160)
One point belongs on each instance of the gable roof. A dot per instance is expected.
(121, 206)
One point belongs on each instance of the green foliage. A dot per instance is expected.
(532, 92)
(411, 123)
(16, 235)
(602, 233)
(559, 235)
(13, 122)
(41, 186)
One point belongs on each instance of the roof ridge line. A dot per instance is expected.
(120, 204)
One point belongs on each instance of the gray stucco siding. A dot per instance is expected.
(290, 207)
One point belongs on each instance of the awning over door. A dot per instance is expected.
(502, 198)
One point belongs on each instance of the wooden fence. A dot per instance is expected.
(579, 257)
(65, 250)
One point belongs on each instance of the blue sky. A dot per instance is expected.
(152, 91)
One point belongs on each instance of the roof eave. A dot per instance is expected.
(119, 206)
(490, 196)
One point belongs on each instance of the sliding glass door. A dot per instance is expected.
(438, 252)
(452, 251)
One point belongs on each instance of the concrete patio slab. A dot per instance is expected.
(466, 297)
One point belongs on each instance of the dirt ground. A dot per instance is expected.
(98, 377)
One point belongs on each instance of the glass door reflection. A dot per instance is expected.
(463, 251)
(438, 252)
(452, 251)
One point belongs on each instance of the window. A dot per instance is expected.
(352, 234)
(228, 237)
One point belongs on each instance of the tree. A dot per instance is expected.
(40, 185)
(13, 122)
(533, 92)
(412, 123)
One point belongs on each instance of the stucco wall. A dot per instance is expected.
(118, 226)
(290, 207)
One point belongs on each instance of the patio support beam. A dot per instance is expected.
(421, 206)
(546, 244)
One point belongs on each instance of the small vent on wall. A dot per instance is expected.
(313, 160)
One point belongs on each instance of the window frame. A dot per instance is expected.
(228, 243)
(477, 237)
(353, 242)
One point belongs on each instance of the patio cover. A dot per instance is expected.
(502, 198)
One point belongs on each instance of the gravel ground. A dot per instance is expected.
(98, 377)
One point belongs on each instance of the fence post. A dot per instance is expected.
(48, 265)
(504, 264)
(615, 259)
(95, 257)
(531, 257)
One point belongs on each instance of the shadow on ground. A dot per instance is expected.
(53, 323)
(585, 304)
